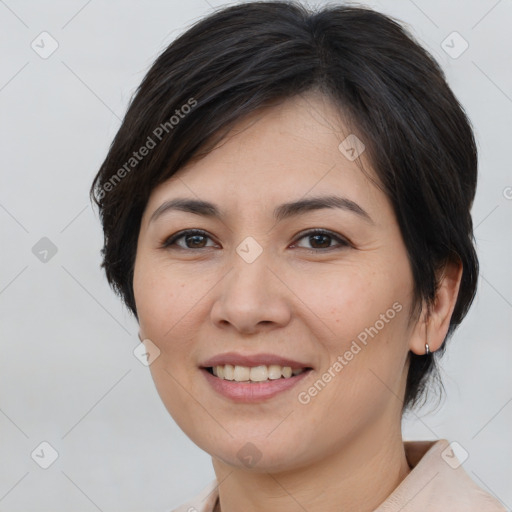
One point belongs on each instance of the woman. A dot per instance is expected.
(286, 211)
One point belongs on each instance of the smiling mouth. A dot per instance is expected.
(262, 373)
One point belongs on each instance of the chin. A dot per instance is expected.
(256, 453)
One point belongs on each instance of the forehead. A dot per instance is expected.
(277, 154)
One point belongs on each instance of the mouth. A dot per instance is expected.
(253, 384)
(252, 378)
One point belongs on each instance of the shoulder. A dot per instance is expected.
(438, 482)
(202, 502)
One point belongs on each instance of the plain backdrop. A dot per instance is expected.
(68, 375)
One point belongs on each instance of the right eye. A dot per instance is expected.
(193, 239)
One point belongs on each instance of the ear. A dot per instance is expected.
(432, 329)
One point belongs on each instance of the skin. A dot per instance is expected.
(343, 450)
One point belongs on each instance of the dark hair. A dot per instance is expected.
(417, 136)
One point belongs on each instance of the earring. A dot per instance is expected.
(427, 349)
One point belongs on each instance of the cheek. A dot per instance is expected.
(346, 298)
(163, 295)
(363, 322)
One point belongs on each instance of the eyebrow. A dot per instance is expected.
(283, 211)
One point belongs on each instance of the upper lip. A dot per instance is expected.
(252, 360)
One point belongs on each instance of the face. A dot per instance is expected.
(323, 290)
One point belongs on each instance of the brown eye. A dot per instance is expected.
(321, 240)
(193, 239)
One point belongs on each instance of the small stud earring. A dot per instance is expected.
(427, 349)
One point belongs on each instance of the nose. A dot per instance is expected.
(252, 297)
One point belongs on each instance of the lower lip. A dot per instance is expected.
(252, 391)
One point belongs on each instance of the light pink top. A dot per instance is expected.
(437, 483)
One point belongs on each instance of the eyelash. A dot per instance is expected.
(168, 242)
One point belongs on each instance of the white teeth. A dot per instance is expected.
(274, 372)
(258, 373)
(229, 371)
(255, 373)
(242, 373)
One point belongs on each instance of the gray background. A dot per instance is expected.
(67, 372)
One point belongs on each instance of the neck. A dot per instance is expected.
(357, 477)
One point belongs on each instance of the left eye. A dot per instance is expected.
(323, 238)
